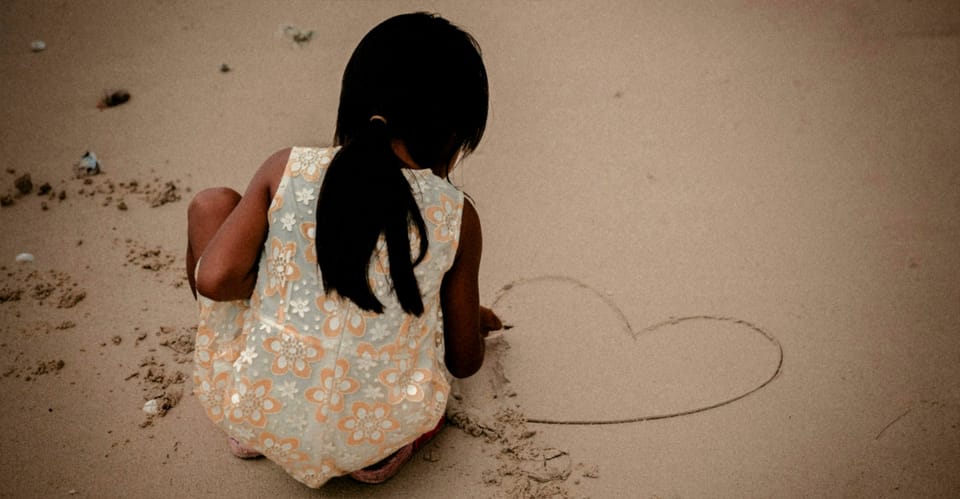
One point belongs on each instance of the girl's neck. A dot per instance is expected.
(400, 149)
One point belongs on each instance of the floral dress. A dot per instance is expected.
(311, 381)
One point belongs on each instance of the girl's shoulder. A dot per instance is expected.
(307, 162)
(272, 171)
(303, 159)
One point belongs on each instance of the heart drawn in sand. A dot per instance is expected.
(574, 357)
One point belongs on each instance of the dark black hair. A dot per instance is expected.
(426, 79)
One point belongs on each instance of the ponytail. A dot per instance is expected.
(427, 77)
(365, 194)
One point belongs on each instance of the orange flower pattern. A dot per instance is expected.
(309, 231)
(281, 270)
(405, 382)
(341, 315)
(211, 394)
(446, 218)
(334, 385)
(292, 351)
(251, 402)
(311, 381)
(309, 163)
(368, 423)
(281, 450)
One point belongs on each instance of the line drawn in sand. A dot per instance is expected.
(507, 289)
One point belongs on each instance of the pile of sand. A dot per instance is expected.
(485, 406)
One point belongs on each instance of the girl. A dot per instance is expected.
(339, 291)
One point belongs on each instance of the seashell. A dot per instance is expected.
(88, 165)
(24, 258)
(151, 407)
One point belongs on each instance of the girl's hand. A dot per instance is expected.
(489, 322)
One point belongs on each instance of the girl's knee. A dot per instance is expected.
(213, 202)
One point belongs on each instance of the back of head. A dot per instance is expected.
(427, 78)
(424, 80)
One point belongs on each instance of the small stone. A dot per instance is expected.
(6, 200)
(24, 258)
(113, 99)
(224, 68)
(122, 206)
(88, 165)
(151, 407)
(44, 189)
(38, 46)
(23, 184)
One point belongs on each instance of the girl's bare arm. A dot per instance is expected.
(228, 268)
(464, 324)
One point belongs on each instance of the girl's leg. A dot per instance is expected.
(207, 212)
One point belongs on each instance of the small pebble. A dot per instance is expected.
(23, 184)
(88, 165)
(38, 45)
(151, 407)
(113, 99)
(24, 258)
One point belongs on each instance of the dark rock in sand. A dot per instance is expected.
(23, 184)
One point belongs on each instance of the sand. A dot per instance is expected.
(725, 235)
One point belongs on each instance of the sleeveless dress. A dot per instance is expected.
(311, 381)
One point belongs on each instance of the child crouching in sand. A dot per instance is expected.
(340, 290)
